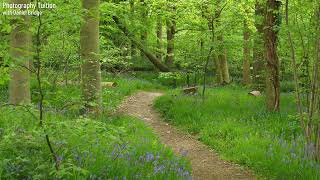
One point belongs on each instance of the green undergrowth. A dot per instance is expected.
(114, 147)
(239, 128)
(108, 147)
(67, 98)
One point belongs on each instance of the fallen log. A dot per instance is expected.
(152, 58)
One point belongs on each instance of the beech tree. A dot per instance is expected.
(89, 42)
(144, 30)
(133, 48)
(171, 30)
(317, 17)
(159, 37)
(246, 54)
(20, 51)
(272, 61)
(258, 48)
(222, 61)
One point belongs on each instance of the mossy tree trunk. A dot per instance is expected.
(272, 60)
(144, 32)
(223, 61)
(20, 51)
(217, 68)
(258, 49)
(89, 42)
(133, 47)
(159, 37)
(171, 30)
(317, 17)
(246, 74)
(170, 43)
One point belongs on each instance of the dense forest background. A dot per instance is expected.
(63, 74)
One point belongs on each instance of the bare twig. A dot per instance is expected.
(41, 95)
(295, 69)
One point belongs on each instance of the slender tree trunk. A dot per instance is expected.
(218, 70)
(258, 50)
(219, 77)
(272, 60)
(89, 41)
(246, 55)
(171, 28)
(20, 51)
(222, 60)
(133, 46)
(159, 37)
(205, 74)
(317, 17)
(152, 58)
(144, 32)
(296, 80)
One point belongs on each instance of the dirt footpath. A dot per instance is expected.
(206, 164)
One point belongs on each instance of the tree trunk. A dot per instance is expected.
(21, 42)
(223, 62)
(152, 58)
(144, 32)
(317, 17)
(215, 58)
(218, 69)
(296, 81)
(133, 47)
(89, 42)
(246, 55)
(171, 30)
(159, 37)
(272, 60)
(258, 50)
(170, 43)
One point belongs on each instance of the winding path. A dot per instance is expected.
(206, 163)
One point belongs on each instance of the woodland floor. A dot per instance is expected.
(206, 164)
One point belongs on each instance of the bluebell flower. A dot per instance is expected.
(78, 158)
(180, 170)
(186, 173)
(157, 156)
(159, 169)
(149, 157)
(141, 158)
(59, 158)
(294, 156)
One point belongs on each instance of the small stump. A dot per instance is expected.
(190, 90)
